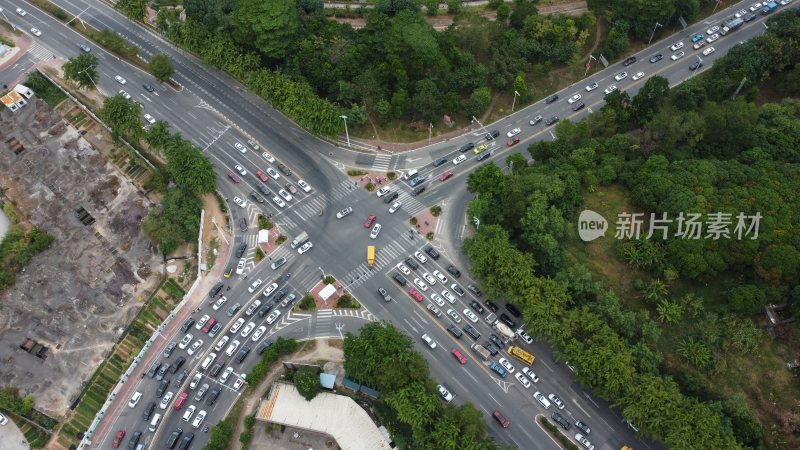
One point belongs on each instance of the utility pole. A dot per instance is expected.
(516, 93)
(654, 32)
(345, 129)
(430, 132)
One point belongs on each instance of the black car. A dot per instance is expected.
(411, 263)
(476, 307)
(513, 309)
(695, 65)
(458, 290)
(496, 341)
(432, 252)
(154, 368)
(749, 17)
(234, 309)
(418, 190)
(242, 224)
(186, 442)
(212, 397)
(186, 325)
(264, 190)
(472, 332)
(583, 427)
(243, 354)
(162, 388)
(483, 156)
(215, 290)
(629, 61)
(399, 279)
(254, 195)
(148, 411)
(390, 197)
(559, 419)
(552, 99)
(264, 345)
(162, 372)
(551, 120)
(474, 290)
(466, 147)
(656, 58)
(148, 87)
(179, 380)
(439, 162)
(419, 179)
(578, 106)
(264, 310)
(507, 320)
(240, 250)
(455, 331)
(216, 369)
(173, 438)
(492, 134)
(279, 295)
(453, 271)
(491, 305)
(174, 367)
(492, 349)
(212, 333)
(285, 170)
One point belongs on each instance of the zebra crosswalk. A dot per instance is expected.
(384, 257)
(381, 163)
(410, 204)
(39, 52)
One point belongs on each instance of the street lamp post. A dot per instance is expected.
(90, 79)
(323, 272)
(430, 132)
(514, 102)
(474, 119)
(345, 129)
(654, 32)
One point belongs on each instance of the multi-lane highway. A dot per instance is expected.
(216, 113)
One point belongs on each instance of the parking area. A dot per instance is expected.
(73, 301)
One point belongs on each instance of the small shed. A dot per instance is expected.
(327, 380)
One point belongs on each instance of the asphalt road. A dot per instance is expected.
(215, 112)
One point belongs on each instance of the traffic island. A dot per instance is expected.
(327, 293)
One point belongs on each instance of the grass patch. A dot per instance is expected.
(307, 303)
(281, 239)
(172, 289)
(329, 279)
(429, 235)
(356, 172)
(259, 254)
(347, 301)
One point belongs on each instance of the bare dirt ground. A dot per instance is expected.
(77, 296)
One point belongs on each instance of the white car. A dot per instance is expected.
(677, 56)
(436, 299)
(429, 278)
(638, 76)
(277, 200)
(225, 375)
(218, 304)
(259, 332)
(459, 159)
(239, 202)
(273, 316)
(440, 276)
(165, 400)
(247, 329)
(202, 321)
(268, 157)
(273, 173)
(712, 30)
(446, 395)
(513, 132)
(286, 196)
(306, 247)
(507, 365)
(522, 334)
(522, 380)
(238, 383)
(221, 343)
(450, 297)
(583, 441)
(711, 39)
(454, 315)
(133, 401)
(270, 289)
(199, 376)
(621, 76)
(240, 266)
(240, 147)
(395, 206)
(420, 284)
(36, 32)
(198, 419)
(124, 94)
(120, 80)
(677, 46)
(708, 51)
(344, 212)
(149, 119)
(740, 13)
(402, 268)
(21, 12)
(304, 186)
(610, 89)
(240, 169)
(574, 98)
(471, 316)
(196, 346)
(420, 257)
(185, 341)
(527, 371)
(375, 231)
(457, 289)
(556, 401)
(382, 191)
(755, 7)
(429, 341)
(591, 87)
(189, 413)
(236, 325)
(232, 348)
(255, 286)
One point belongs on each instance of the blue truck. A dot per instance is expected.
(772, 6)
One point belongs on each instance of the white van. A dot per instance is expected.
(209, 359)
(135, 399)
(410, 174)
(154, 423)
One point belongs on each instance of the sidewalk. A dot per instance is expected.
(23, 44)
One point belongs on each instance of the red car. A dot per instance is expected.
(181, 400)
(370, 221)
(118, 439)
(446, 175)
(209, 325)
(262, 176)
(235, 178)
(500, 419)
(459, 356)
(416, 294)
(513, 141)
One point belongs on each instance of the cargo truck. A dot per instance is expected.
(481, 350)
(772, 6)
(371, 255)
(521, 355)
(300, 239)
(730, 25)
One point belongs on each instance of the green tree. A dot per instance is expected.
(694, 352)
(453, 7)
(392, 7)
(123, 116)
(503, 12)
(427, 102)
(431, 7)
(669, 312)
(478, 101)
(270, 25)
(82, 70)
(306, 380)
(160, 67)
(414, 404)
(176, 221)
(190, 169)
(648, 101)
(522, 88)
(384, 111)
(133, 9)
